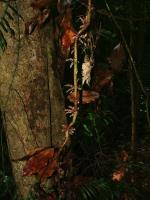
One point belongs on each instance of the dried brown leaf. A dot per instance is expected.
(50, 168)
(38, 162)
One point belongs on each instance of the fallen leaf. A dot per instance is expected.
(50, 168)
(38, 162)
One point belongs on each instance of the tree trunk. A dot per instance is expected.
(30, 93)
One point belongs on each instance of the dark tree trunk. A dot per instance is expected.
(30, 93)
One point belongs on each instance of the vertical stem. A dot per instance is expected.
(132, 89)
(133, 110)
(75, 72)
(75, 78)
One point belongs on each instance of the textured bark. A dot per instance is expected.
(30, 93)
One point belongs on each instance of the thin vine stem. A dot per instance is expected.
(75, 65)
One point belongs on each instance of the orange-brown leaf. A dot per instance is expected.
(69, 33)
(67, 38)
(119, 174)
(38, 162)
(50, 168)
